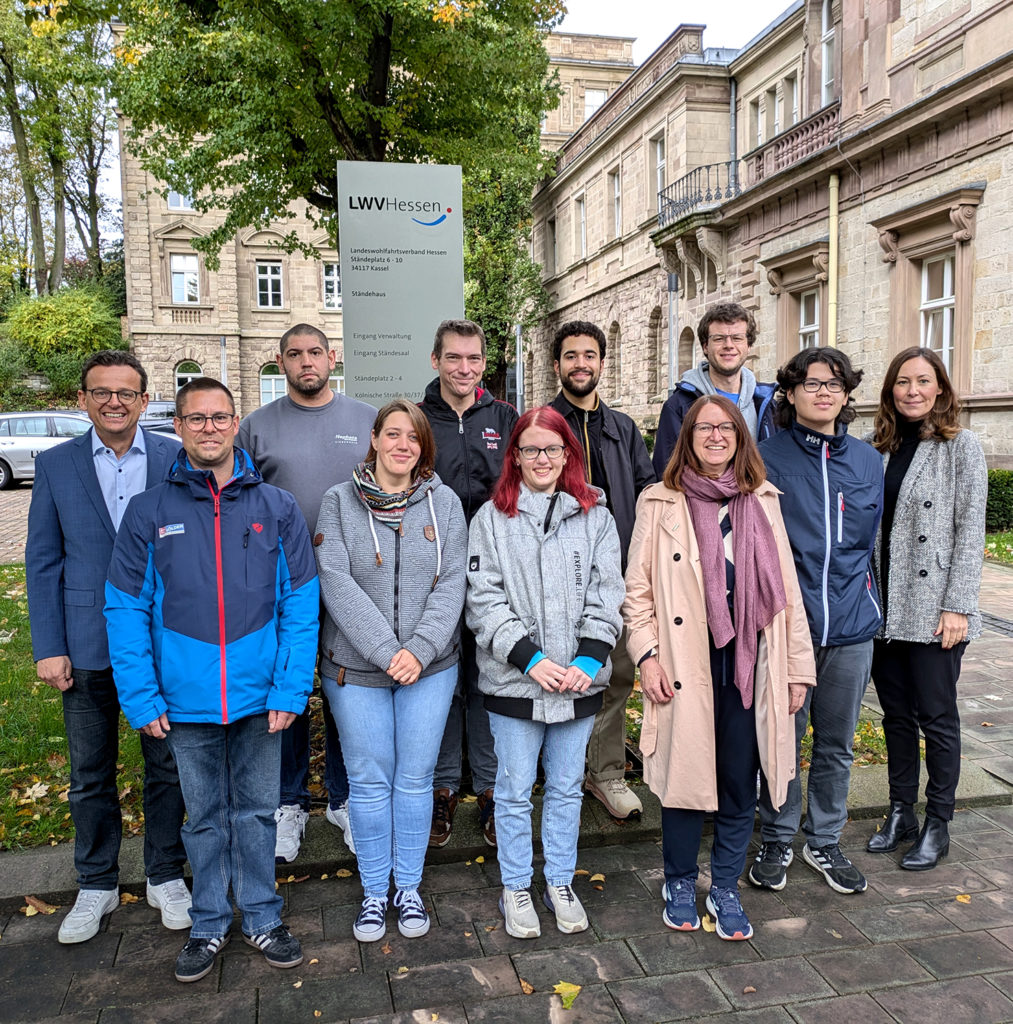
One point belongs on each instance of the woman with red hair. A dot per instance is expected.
(544, 590)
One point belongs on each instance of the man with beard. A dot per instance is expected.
(306, 442)
(616, 460)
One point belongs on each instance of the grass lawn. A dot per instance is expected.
(999, 547)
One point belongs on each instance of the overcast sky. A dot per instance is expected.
(729, 23)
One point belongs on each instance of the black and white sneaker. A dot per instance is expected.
(198, 957)
(280, 948)
(412, 917)
(770, 869)
(840, 873)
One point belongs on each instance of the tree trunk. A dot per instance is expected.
(59, 221)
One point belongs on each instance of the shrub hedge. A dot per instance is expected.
(999, 505)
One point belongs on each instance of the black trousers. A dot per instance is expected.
(917, 689)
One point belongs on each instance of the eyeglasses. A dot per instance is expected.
(739, 339)
(812, 386)
(195, 420)
(102, 395)
(529, 452)
(726, 429)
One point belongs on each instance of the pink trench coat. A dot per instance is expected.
(665, 609)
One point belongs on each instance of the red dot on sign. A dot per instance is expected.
(449, 210)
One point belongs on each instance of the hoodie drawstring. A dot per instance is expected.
(436, 530)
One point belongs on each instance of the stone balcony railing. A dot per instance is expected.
(791, 146)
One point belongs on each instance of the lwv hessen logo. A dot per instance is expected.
(394, 204)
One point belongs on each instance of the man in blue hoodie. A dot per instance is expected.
(833, 501)
(212, 608)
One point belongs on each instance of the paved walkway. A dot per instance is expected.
(920, 948)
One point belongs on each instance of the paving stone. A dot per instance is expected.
(25, 960)
(84, 1017)
(1003, 982)
(956, 955)
(494, 939)
(861, 970)
(951, 878)
(621, 857)
(592, 1006)
(308, 925)
(1002, 816)
(636, 917)
(841, 1010)
(40, 928)
(18, 1002)
(448, 942)
(314, 893)
(218, 1008)
(803, 893)
(471, 981)
(244, 967)
(152, 945)
(472, 905)
(900, 921)
(446, 1014)
(677, 997)
(967, 1000)
(775, 982)
(980, 845)
(618, 887)
(1004, 935)
(811, 934)
(688, 951)
(337, 999)
(591, 965)
(460, 877)
(971, 820)
(764, 1015)
(129, 986)
(986, 910)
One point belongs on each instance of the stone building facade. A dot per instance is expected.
(846, 176)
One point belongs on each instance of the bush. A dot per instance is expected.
(999, 504)
(74, 320)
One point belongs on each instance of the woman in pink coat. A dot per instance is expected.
(717, 626)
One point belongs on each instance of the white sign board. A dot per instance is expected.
(402, 272)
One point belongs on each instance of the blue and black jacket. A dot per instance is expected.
(212, 601)
(832, 503)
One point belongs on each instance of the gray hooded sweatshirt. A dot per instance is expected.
(699, 377)
(547, 579)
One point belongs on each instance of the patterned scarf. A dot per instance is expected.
(387, 508)
(759, 587)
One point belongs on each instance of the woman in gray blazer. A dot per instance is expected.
(928, 566)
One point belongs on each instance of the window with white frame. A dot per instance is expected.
(773, 112)
(615, 192)
(593, 99)
(828, 72)
(809, 319)
(332, 285)
(269, 290)
(272, 383)
(580, 227)
(184, 272)
(658, 162)
(551, 246)
(938, 307)
(179, 201)
(789, 99)
(755, 123)
(187, 371)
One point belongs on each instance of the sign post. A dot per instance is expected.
(402, 272)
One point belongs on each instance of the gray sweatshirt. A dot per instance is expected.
(412, 600)
(546, 579)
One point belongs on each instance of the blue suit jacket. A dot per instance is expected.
(70, 543)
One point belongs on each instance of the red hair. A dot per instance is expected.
(572, 479)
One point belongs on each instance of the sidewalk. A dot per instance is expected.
(923, 948)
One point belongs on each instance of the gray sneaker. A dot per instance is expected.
(85, 917)
(563, 902)
(519, 914)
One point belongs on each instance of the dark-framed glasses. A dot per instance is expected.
(812, 386)
(529, 452)
(196, 420)
(126, 396)
(726, 429)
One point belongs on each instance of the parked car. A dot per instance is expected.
(24, 434)
(158, 416)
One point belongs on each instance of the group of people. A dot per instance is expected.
(453, 570)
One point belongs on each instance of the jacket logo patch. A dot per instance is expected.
(168, 531)
(257, 526)
(473, 563)
(492, 438)
(578, 575)
(430, 532)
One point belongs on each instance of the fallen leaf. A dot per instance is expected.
(480, 860)
(128, 897)
(385, 949)
(581, 871)
(323, 877)
(491, 927)
(40, 905)
(36, 790)
(467, 935)
(467, 863)
(963, 898)
(318, 1013)
(835, 933)
(567, 992)
(343, 873)
(748, 990)
(526, 987)
(469, 799)
(28, 911)
(988, 725)
(297, 984)
(301, 878)
(434, 1016)
(314, 961)
(402, 970)
(598, 881)
(708, 923)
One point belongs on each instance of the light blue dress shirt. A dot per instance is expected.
(120, 479)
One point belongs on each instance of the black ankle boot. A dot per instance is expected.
(933, 844)
(901, 825)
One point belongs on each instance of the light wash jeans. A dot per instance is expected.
(390, 736)
(229, 775)
(833, 705)
(563, 746)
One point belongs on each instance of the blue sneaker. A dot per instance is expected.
(726, 909)
(680, 906)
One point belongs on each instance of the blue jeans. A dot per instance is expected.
(391, 735)
(91, 717)
(833, 706)
(229, 774)
(563, 746)
(295, 762)
(468, 703)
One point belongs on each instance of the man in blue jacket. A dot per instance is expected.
(80, 492)
(211, 608)
(833, 501)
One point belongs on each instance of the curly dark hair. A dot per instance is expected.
(725, 313)
(797, 369)
(574, 329)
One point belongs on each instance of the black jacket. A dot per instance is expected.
(469, 448)
(624, 458)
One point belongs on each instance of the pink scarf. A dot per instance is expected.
(759, 588)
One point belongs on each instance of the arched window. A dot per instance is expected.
(187, 371)
(614, 364)
(272, 383)
(657, 353)
(687, 352)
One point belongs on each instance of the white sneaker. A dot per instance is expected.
(519, 914)
(339, 816)
(291, 819)
(619, 800)
(85, 917)
(569, 911)
(173, 899)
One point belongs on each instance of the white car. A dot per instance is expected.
(24, 434)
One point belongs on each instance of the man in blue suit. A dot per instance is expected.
(80, 492)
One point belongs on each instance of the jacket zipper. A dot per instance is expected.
(216, 498)
(868, 590)
(467, 462)
(397, 578)
(840, 517)
(587, 446)
(826, 556)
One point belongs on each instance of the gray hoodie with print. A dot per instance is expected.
(548, 579)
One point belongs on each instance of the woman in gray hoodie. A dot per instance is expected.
(390, 548)
(544, 590)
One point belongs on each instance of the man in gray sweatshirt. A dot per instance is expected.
(306, 442)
